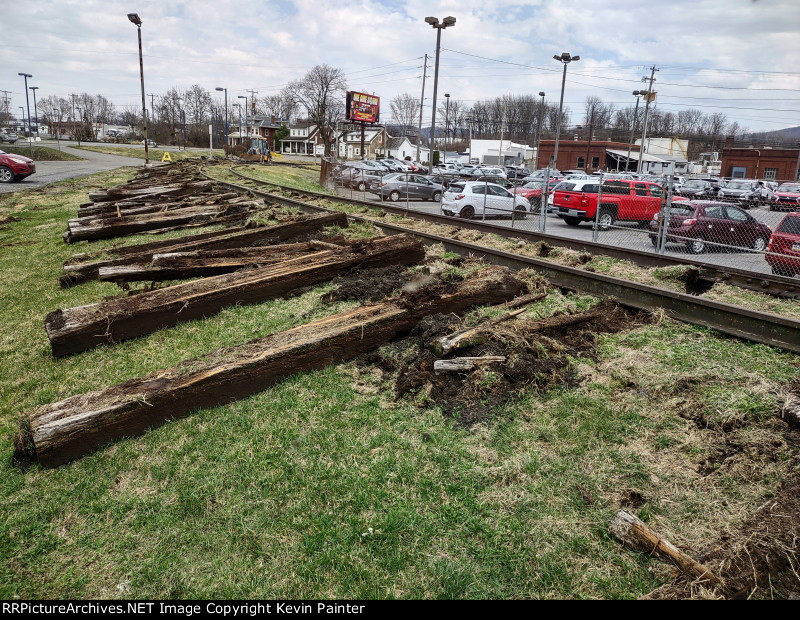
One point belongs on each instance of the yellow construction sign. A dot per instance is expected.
(166, 157)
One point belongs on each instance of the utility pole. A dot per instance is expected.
(72, 96)
(253, 94)
(6, 109)
(648, 98)
(422, 104)
(152, 110)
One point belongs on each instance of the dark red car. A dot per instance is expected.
(787, 198)
(783, 251)
(702, 225)
(15, 167)
(532, 190)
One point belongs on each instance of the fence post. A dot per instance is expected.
(545, 197)
(595, 229)
(662, 236)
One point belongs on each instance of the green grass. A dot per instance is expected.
(40, 153)
(156, 153)
(325, 486)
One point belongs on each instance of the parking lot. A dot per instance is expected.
(626, 235)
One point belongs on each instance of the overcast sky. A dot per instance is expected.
(739, 57)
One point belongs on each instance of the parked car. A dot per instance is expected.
(150, 143)
(532, 191)
(15, 167)
(445, 180)
(8, 135)
(414, 186)
(538, 175)
(490, 173)
(787, 198)
(783, 250)
(513, 172)
(697, 188)
(470, 198)
(700, 224)
(735, 189)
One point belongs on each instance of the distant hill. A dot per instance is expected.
(788, 136)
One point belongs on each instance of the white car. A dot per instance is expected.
(470, 198)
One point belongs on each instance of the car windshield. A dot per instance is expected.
(456, 188)
(789, 187)
(534, 185)
(699, 184)
(790, 225)
(734, 185)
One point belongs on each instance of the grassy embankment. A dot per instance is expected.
(327, 486)
(40, 153)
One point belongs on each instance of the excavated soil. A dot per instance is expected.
(370, 285)
(538, 355)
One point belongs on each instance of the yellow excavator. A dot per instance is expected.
(259, 151)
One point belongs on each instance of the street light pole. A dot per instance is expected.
(58, 130)
(421, 106)
(35, 113)
(446, 22)
(134, 18)
(539, 133)
(28, 104)
(220, 88)
(565, 59)
(245, 118)
(636, 94)
(446, 122)
(236, 105)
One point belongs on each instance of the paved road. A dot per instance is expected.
(50, 171)
(623, 235)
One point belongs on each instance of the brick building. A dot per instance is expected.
(763, 163)
(576, 154)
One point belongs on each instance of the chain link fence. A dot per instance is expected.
(650, 214)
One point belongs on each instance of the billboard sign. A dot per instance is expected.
(363, 108)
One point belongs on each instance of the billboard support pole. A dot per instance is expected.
(362, 141)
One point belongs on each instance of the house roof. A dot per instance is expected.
(635, 155)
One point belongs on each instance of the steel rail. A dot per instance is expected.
(762, 327)
(779, 286)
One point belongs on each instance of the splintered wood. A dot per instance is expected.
(73, 330)
(67, 430)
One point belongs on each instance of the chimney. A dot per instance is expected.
(272, 119)
(729, 142)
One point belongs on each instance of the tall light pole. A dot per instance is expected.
(236, 105)
(446, 122)
(220, 88)
(57, 112)
(241, 140)
(637, 94)
(28, 104)
(564, 59)
(35, 113)
(421, 106)
(446, 22)
(539, 133)
(134, 18)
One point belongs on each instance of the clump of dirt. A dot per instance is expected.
(538, 355)
(370, 284)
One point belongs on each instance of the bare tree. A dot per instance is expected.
(321, 93)
(282, 106)
(405, 110)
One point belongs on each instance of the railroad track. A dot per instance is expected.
(778, 286)
(762, 327)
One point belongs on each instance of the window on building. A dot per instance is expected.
(770, 173)
(595, 162)
(581, 163)
(738, 172)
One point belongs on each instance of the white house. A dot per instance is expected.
(399, 148)
(303, 139)
(350, 143)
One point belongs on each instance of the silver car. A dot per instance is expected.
(406, 185)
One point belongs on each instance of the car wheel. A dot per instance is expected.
(361, 187)
(436, 196)
(760, 244)
(573, 221)
(6, 176)
(394, 196)
(654, 240)
(697, 246)
(605, 221)
(536, 205)
(520, 212)
(467, 213)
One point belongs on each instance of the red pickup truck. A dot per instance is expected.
(621, 200)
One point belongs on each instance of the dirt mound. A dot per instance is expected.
(538, 355)
(759, 558)
(370, 284)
